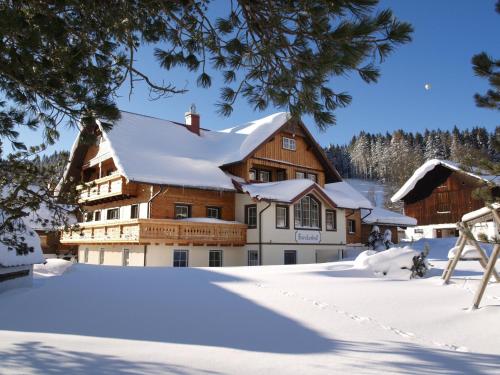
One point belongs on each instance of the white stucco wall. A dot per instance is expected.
(161, 255)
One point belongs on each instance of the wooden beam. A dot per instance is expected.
(486, 277)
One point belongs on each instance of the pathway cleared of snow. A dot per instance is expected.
(322, 318)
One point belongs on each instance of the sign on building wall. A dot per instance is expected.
(307, 236)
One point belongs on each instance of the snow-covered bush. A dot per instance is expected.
(395, 262)
(377, 241)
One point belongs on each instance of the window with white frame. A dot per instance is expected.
(215, 258)
(182, 211)
(281, 217)
(180, 258)
(253, 258)
(351, 226)
(307, 213)
(289, 144)
(126, 257)
(101, 256)
(300, 175)
(113, 213)
(331, 220)
(89, 216)
(86, 255)
(213, 212)
(97, 215)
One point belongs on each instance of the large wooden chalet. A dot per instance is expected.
(438, 194)
(160, 193)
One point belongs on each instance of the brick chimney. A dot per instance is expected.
(193, 120)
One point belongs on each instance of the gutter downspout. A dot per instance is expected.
(260, 232)
(151, 200)
(368, 214)
(149, 217)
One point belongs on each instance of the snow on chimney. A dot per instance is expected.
(193, 120)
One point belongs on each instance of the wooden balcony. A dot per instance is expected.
(144, 231)
(105, 189)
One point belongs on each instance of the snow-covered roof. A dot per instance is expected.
(427, 167)
(344, 195)
(481, 212)
(382, 216)
(153, 150)
(9, 256)
(281, 191)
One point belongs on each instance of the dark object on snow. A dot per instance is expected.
(420, 265)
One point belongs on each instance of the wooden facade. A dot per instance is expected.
(442, 196)
(353, 236)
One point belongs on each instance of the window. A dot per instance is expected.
(307, 213)
(86, 255)
(351, 226)
(290, 257)
(215, 258)
(280, 175)
(180, 258)
(253, 258)
(264, 176)
(300, 175)
(281, 217)
(126, 257)
(88, 216)
(113, 213)
(97, 215)
(134, 211)
(251, 215)
(252, 175)
(213, 212)
(182, 211)
(289, 144)
(419, 231)
(101, 256)
(331, 220)
(311, 176)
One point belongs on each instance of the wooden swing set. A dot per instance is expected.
(483, 215)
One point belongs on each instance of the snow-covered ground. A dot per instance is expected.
(305, 319)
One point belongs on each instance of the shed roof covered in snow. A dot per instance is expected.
(382, 216)
(9, 256)
(346, 196)
(429, 166)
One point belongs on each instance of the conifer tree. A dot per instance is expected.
(63, 61)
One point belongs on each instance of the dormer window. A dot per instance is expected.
(289, 144)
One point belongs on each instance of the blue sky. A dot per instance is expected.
(447, 35)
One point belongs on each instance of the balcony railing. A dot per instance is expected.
(157, 230)
(108, 187)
